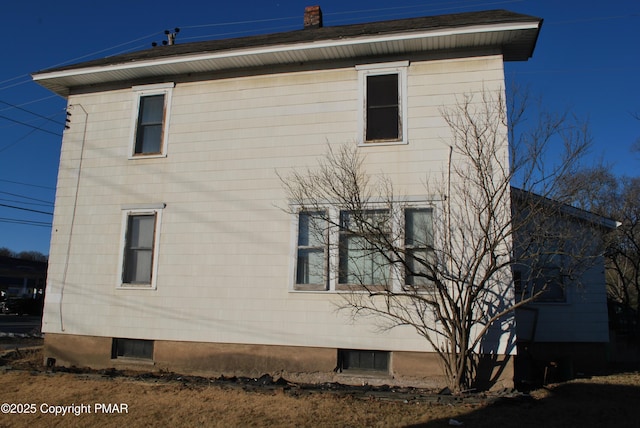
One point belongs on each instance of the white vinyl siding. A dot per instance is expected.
(225, 249)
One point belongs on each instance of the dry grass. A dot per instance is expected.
(153, 401)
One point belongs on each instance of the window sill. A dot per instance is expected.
(382, 143)
(135, 287)
(150, 156)
(309, 287)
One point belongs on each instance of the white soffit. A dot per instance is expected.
(407, 42)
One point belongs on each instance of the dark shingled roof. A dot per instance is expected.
(308, 35)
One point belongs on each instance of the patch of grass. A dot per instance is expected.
(173, 400)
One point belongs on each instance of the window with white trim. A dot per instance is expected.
(362, 249)
(311, 266)
(139, 248)
(345, 250)
(418, 245)
(383, 101)
(151, 125)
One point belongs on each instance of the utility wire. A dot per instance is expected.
(25, 222)
(27, 184)
(30, 126)
(37, 204)
(8, 146)
(30, 112)
(26, 197)
(25, 209)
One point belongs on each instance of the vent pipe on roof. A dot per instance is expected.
(312, 17)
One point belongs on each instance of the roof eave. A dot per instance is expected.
(515, 39)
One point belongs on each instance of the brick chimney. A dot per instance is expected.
(312, 17)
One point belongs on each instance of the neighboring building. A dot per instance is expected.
(565, 331)
(170, 245)
(22, 284)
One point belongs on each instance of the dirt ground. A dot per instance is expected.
(31, 396)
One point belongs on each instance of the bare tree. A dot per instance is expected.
(599, 190)
(624, 248)
(445, 265)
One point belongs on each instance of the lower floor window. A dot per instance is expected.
(132, 348)
(363, 360)
(389, 247)
(139, 246)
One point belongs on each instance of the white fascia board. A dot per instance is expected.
(291, 48)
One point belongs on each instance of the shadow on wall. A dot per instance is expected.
(493, 367)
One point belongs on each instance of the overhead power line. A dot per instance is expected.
(31, 112)
(28, 184)
(25, 222)
(30, 126)
(37, 204)
(25, 209)
(27, 197)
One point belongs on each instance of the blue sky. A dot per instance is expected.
(587, 60)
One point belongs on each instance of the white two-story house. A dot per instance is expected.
(170, 248)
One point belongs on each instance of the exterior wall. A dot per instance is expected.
(225, 241)
(582, 318)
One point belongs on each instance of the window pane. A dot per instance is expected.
(311, 229)
(151, 109)
(139, 267)
(311, 258)
(149, 139)
(132, 348)
(418, 227)
(382, 90)
(138, 260)
(141, 231)
(310, 266)
(361, 263)
(416, 260)
(365, 220)
(382, 124)
(418, 241)
(363, 360)
(383, 108)
(361, 248)
(150, 118)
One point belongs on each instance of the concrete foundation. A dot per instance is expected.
(297, 364)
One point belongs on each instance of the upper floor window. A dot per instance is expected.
(383, 94)
(150, 130)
